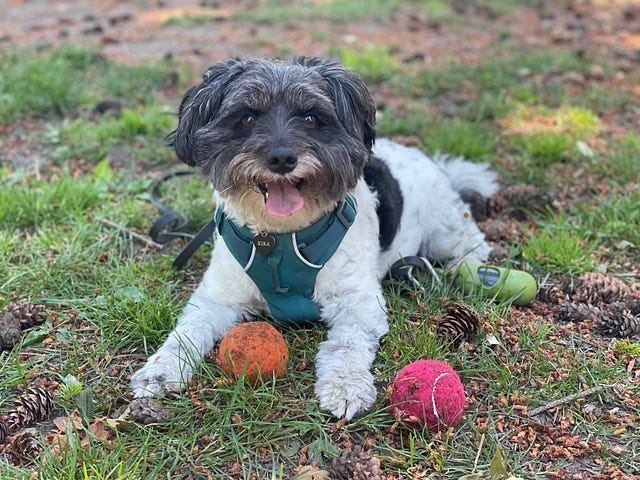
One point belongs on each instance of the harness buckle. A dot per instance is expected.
(343, 214)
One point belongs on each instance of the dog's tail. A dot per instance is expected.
(475, 182)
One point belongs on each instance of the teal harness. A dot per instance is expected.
(284, 266)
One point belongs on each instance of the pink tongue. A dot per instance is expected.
(284, 199)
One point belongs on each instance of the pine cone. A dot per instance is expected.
(355, 465)
(28, 314)
(4, 431)
(367, 468)
(619, 323)
(630, 304)
(342, 466)
(595, 288)
(33, 405)
(24, 447)
(10, 330)
(553, 294)
(576, 312)
(517, 199)
(148, 410)
(459, 322)
(495, 229)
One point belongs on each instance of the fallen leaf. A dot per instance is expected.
(497, 467)
(497, 470)
(99, 430)
(312, 473)
(121, 422)
(73, 421)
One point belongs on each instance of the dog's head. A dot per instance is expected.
(281, 142)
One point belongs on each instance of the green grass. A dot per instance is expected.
(337, 11)
(511, 69)
(460, 137)
(472, 139)
(568, 243)
(49, 83)
(39, 204)
(342, 12)
(623, 162)
(438, 11)
(391, 123)
(189, 195)
(374, 64)
(627, 347)
(42, 84)
(140, 132)
(545, 148)
(613, 220)
(560, 250)
(112, 300)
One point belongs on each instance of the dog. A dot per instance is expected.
(310, 216)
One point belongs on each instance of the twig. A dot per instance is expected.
(131, 233)
(475, 462)
(567, 399)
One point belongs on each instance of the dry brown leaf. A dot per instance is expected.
(312, 473)
(99, 430)
(62, 423)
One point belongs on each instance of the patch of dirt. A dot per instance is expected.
(21, 146)
(138, 31)
(151, 30)
(202, 33)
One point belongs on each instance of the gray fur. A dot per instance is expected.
(209, 134)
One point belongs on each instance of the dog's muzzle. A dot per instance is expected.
(282, 160)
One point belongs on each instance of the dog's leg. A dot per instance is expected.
(224, 298)
(168, 370)
(451, 235)
(356, 322)
(353, 309)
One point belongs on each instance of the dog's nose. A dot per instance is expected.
(282, 159)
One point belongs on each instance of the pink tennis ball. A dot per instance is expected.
(428, 392)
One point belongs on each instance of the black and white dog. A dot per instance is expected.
(310, 217)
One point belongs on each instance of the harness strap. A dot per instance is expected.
(286, 275)
(311, 243)
(331, 238)
(316, 243)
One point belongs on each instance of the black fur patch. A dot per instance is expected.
(379, 178)
(477, 203)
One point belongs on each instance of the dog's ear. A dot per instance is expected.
(200, 105)
(352, 99)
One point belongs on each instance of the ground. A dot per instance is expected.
(205, 32)
(595, 436)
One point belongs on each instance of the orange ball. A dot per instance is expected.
(256, 349)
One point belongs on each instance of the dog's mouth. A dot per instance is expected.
(282, 198)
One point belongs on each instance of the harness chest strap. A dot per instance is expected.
(286, 275)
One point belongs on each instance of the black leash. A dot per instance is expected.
(403, 270)
(171, 224)
(194, 244)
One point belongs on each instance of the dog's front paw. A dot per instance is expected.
(160, 377)
(346, 396)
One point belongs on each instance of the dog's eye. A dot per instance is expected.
(310, 120)
(249, 120)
